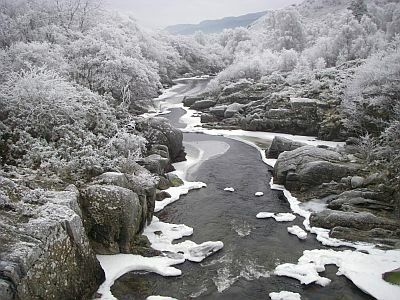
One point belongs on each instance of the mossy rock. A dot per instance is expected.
(392, 277)
(174, 180)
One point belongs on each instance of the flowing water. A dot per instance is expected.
(252, 247)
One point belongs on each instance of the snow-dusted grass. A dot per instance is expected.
(297, 231)
(280, 217)
(115, 266)
(284, 295)
(161, 236)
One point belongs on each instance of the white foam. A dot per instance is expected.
(297, 231)
(242, 228)
(285, 296)
(259, 194)
(161, 236)
(280, 217)
(115, 266)
(229, 189)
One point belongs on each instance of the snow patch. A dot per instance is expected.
(280, 217)
(297, 231)
(161, 235)
(177, 192)
(115, 266)
(285, 296)
(259, 194)
(229, 189)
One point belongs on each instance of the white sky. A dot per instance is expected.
(160, 13)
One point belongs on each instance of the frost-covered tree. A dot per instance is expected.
(372, 98)
(358, 8)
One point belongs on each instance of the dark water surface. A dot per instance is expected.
(252, 247)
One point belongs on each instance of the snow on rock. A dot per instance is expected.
(115, 266)
(159, 298)
(176, 192)
(364, 270)
(285, 296)
(259, 194)
(161, 236)
(297, 231)
(280, 217)
(229, 189)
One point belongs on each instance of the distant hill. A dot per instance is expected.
(215, 26)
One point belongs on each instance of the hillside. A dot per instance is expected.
(215, 26)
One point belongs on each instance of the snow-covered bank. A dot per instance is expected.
(364, 270)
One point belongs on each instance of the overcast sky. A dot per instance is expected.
(160, 13)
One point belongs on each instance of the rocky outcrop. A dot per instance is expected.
(274, 104)
(361, 207)
(310, 166)
(358, 220)
(159, 131)
(280, 144)
(42, 233)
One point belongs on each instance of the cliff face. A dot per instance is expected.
(49, 237)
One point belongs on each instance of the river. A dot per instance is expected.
(252, 247)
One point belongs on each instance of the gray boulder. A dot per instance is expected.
(357, 181)
(232, 110)
(208, 118)
(154, 163)
(141, 182)
(359, 220)
(218, 111)
(310, 166)
(158, 131)
(112, 217)
(190, 100)
(280, 144)
(39, 237)
(203, 104)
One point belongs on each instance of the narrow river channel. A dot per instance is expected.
(252, 247)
